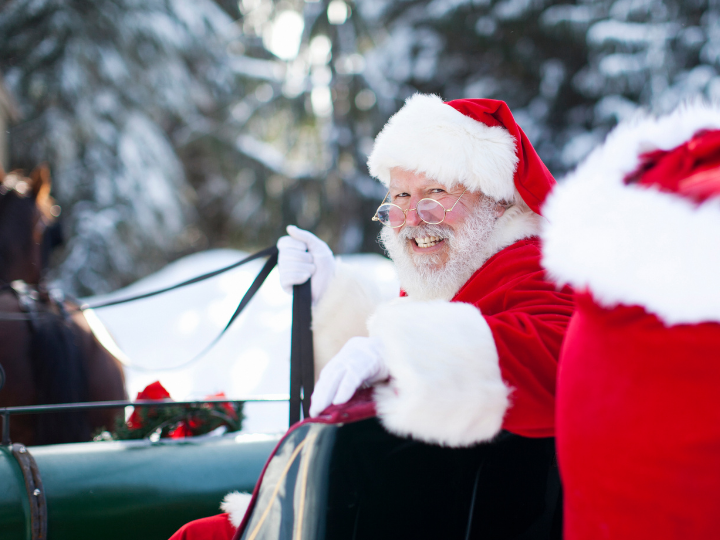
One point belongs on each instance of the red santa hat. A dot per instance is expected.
(638, 223)
(473, 142)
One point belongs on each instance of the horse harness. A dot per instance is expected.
(29, 299)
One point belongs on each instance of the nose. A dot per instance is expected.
(411, 217)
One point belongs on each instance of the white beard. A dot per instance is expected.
(424, 277)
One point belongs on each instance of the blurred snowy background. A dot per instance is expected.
(173, 127)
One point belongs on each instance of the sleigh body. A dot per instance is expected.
(125, 489)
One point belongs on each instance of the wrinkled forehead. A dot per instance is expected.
(405, 179)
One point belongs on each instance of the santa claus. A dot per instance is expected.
(636, 230)
(471, 346)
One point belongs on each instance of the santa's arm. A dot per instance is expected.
(529, 347)
(458, 377)
(343, 311)
(446, 386)
(528, 334)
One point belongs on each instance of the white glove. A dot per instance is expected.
(358, 362)
(303, 256)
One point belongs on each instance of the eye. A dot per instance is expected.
(401, 195)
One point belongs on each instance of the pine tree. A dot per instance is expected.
(175, 126)
(305, 134)
(106, 87)
(649, 55)
(569, 70)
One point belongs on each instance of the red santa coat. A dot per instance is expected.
(528, 317)
(638, 418)
(462, 370)
(217, 527)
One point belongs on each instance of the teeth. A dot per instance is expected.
(428, 241)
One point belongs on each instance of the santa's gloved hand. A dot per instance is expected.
(302, 256)
(358, 362)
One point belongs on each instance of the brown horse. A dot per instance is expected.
(47, 349)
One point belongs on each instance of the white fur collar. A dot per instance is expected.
(517, 223)
(637, 246)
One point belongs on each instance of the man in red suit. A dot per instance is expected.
(471, 346)
(636, 231)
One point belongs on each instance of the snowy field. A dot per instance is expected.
(160, 335)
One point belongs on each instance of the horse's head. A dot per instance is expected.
(27, 219)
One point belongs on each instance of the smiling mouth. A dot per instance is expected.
(427, 241)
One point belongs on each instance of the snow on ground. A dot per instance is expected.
(160, 335)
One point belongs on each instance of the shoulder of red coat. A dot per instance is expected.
(527, 248)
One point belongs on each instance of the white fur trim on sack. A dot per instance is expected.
(446, 387)
(637, 246)
(342, 312)
(236, 504)
(431, 137)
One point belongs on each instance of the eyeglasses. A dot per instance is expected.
(428, 210)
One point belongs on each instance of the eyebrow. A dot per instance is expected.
(423, 188)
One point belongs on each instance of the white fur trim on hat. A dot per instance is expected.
(431, 137)
(445, 387)
(634, 245)
(236, 504)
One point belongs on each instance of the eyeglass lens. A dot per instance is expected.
(429, 210)
(391, 215)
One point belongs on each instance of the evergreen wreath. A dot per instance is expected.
(176, 421)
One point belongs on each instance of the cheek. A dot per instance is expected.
(456, 218)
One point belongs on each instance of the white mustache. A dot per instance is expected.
(419, 231)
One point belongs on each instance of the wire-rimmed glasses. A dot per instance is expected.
(429, 210)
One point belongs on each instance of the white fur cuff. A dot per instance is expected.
(446, 386)
(236, 504)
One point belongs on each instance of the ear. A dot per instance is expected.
(499, 210)
(40, 182)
